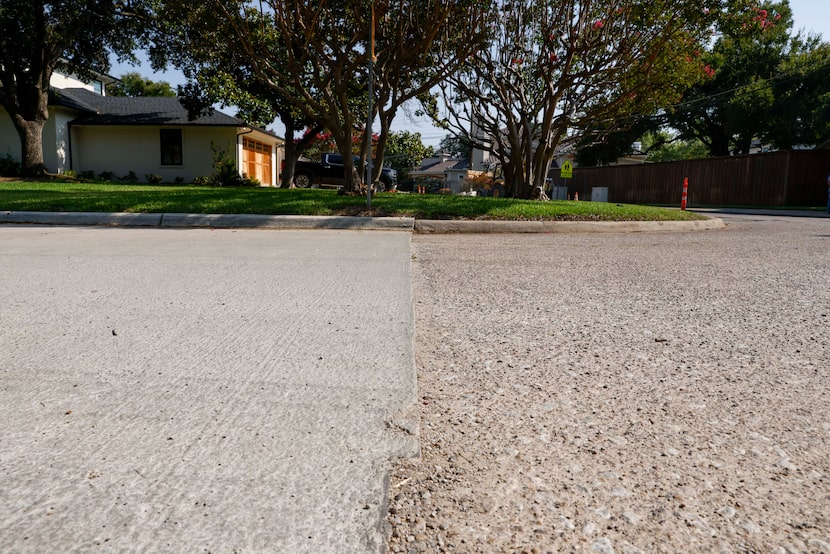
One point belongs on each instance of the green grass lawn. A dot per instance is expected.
(57, 196)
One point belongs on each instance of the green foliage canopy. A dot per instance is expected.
(556, 66)
(133, 84)
(405, 150)
(765, 83)
(36, 38)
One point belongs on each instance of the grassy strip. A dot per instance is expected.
(106, 197)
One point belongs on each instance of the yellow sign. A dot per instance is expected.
(567, 171)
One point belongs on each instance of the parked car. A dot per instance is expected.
(329, 172)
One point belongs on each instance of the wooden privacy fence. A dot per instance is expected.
(787, 178)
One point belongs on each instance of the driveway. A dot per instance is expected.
(198, 390)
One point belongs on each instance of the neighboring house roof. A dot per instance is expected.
(136, 110)
(440, 168)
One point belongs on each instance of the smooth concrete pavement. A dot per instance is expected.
(197, 390)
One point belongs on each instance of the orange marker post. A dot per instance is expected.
(685, 193)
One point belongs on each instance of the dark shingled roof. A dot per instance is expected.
(134, 110)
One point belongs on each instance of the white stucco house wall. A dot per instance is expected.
(88, 131)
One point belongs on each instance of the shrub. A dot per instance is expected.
(153, 178)
(178, 180)
(224, 165)
(130, 177)
(226, 174)
(87, 175)
(201, 180)
(250, 181)
(106, 176)
(9, 167)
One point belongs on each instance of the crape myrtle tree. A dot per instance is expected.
(312, 58)
(303, 62)
(38, 37)
(553, 67)
(419, 44)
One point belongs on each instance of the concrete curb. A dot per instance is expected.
(248, 221)
(457, 226)
(82, 218)
(252, 221)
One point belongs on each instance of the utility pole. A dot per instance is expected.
(369, 117)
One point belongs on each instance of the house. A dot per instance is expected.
(88, 131)
(442, 167)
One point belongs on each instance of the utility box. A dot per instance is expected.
(599, 194)
(559, 193)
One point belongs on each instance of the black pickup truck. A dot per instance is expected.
(329, 172)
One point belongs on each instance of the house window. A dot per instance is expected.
(171, 147)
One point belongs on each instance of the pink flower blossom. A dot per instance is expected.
(598, 24)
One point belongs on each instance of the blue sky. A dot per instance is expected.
(809, 15)
(812, 15)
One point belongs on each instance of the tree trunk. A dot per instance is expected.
(31, 142)
(27, 103)
(289, 163)
(291, 151)
(380, 150)
(294, 148)
(351, 177)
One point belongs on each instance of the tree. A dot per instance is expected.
(323, 142)
(38, 37)
(801, 110)
(303, 61)
(456, 146)
(765, 84)
(193, 38)
(404, 150)
(598, 146)
(133, 84)
(665, 147)
(557, 66)
(313, 57)
(419, 45)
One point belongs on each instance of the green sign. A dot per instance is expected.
(567, 171)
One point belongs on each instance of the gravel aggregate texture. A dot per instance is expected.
(621, 393)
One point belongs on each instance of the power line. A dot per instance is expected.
(755, 87)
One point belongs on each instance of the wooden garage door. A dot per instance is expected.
(256, 162)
